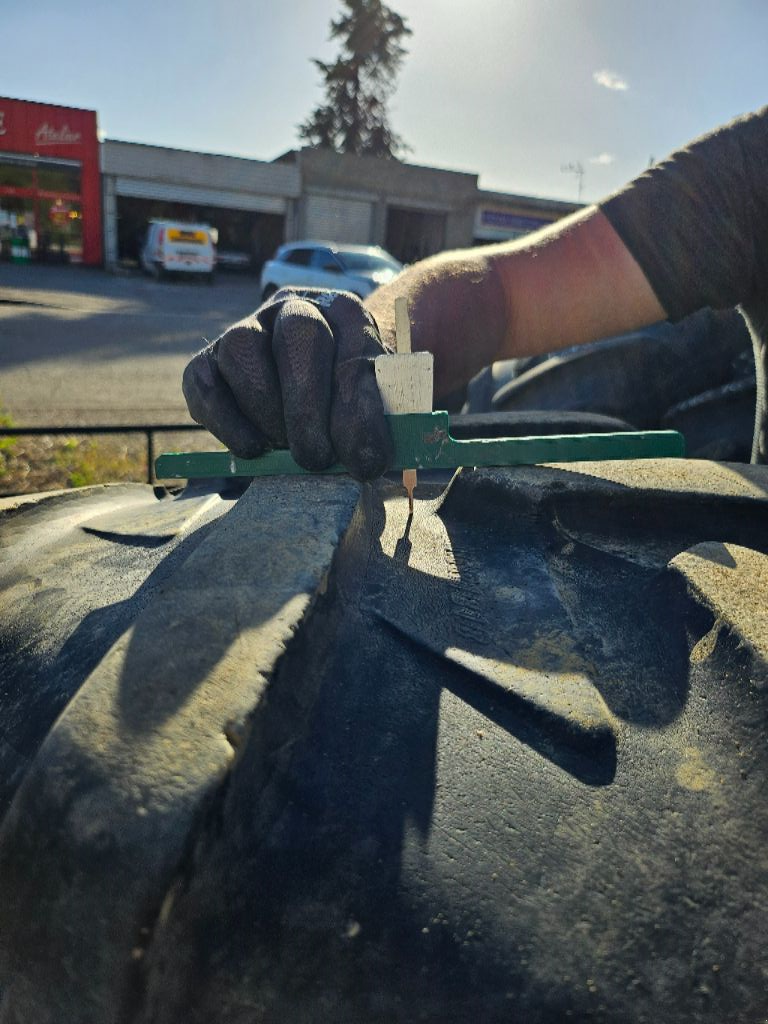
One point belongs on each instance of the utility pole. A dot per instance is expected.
(576, 168)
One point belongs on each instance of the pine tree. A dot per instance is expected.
(358, 84)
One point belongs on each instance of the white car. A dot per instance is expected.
(351, 268)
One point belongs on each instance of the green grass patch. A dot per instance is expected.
(7, 444)
(55, 462)
(89, 462)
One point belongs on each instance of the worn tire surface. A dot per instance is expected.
(301, 758)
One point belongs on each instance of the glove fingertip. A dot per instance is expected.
(199, 378)
(212, 404)
(314, 456)
(368, 451)
(369, 469)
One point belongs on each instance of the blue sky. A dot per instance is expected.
(510, 89)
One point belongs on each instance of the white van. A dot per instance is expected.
(173, 247)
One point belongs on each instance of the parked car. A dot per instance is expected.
(352, 268)
(232, 259)
(173, 247)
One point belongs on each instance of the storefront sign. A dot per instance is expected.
(60, 131)
(510, 221)
(47, 135)
(494, 225)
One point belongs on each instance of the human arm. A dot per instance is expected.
(301, 372)
(710, 201)
(688, 233)
(567, 284)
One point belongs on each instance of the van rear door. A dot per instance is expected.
(189, 249)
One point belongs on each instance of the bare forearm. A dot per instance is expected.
(572, 283)
(569, 284)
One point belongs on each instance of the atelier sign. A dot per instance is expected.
(47, 135)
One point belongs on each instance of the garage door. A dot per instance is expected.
(136, 188)
(338, 220)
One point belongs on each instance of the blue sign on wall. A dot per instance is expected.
(511, 221)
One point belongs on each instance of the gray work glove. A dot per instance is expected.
(298, 373)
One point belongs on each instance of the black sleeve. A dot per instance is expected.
(698, 222)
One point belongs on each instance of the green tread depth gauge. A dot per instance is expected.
(423, 441)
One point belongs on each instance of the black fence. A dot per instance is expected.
(148, 429)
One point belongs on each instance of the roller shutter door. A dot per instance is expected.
(137, 188)
(338, 220)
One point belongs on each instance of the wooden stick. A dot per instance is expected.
(402, 326)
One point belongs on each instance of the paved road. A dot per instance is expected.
(83, 346)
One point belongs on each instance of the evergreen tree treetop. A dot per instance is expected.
(358, 84)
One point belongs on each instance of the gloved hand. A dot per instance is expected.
(298, 372)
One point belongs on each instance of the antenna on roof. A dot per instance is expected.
(576, 168)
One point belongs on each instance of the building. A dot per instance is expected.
(249, 202)
(50, 192)
(411, 211)
(65, 196)
(500, 216)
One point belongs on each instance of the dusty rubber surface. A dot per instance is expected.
(503, 761)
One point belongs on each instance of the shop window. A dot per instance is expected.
(15, 175)
(40, 210)
(18, 238)
(58, 179)
(60, 230)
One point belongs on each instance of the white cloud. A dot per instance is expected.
(602, 158)
(610, 80)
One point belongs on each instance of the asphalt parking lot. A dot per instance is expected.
(84, 347)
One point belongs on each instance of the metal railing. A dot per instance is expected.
(148, 429)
